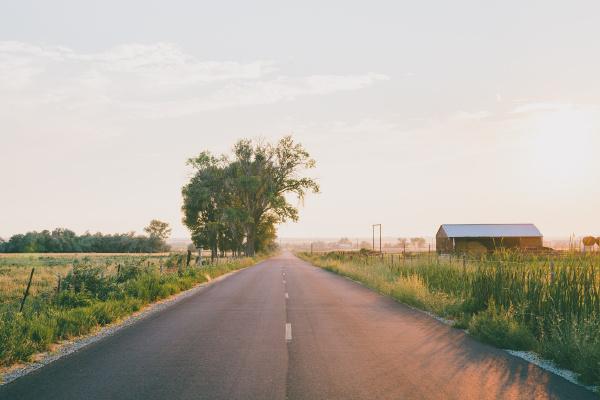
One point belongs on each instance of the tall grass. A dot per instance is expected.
(512, 300)
(15, 269)
(93, 293)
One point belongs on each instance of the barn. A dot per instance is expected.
(487, 237)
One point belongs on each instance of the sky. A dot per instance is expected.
(417, 113)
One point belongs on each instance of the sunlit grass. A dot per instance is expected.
(16, 268)
(546, 303)
(95, 291)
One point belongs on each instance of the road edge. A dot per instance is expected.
(71, 346)
(528, 356)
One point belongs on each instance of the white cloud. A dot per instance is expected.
(150, 80)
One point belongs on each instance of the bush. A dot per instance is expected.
(72, 299)
(41, 331)
(75, 322)
(22, 336)
(498, 327)
(105, 312)
(129, 272)
(85, 278)
(575, 346)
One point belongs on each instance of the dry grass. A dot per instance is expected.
(16, 268)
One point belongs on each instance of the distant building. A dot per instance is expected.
(486, 237)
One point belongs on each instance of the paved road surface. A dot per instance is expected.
(233, 341)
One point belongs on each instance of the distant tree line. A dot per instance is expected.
(233, 203)
(62, 240)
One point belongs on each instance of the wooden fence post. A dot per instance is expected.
(27, 290)
(429, 254)
(58, 285)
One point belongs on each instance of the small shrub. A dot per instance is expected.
(498, 327)
(85, 278)
(72, 299)
(129, 272)
(41, 331)
(22, 336)
(105, 312)
(575, 345)
(75, 322)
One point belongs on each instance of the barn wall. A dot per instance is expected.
(532, 242)
(443, 244)
(471, 244)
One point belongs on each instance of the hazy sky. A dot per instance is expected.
(418, 113)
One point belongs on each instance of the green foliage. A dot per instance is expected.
(90, 279)
(500, 328)
(575, 345)
(73, 299)
(90, 299)
(158, 229)
(233, 203)
(66, 241)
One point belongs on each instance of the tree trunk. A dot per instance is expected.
(250, 240)
(213, 253)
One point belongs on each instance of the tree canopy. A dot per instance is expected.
(233, 203)
(62, 240)
(158, 229)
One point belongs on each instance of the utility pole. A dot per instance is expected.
(373, 228)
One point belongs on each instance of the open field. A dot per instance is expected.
(95, 290)
(515, 301)
(16, 268)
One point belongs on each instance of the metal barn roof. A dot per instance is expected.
(491, 230)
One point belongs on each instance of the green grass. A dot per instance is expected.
(15, 269)
(92, 294)
(510, 300)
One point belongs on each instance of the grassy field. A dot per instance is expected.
(95, 290)
(16, 268)
(515, 301)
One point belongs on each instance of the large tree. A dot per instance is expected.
(241, 198)
(158, 229)
(159, 232)
(204, 201)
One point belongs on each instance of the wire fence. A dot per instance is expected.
(399, 259)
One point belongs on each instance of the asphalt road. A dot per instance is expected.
(286, 330)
